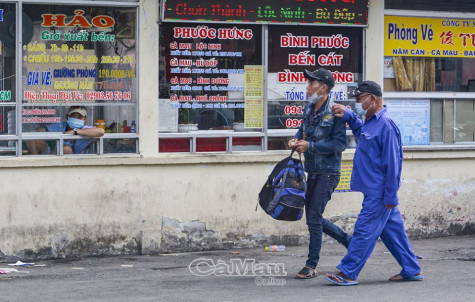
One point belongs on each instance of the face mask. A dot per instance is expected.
(75, 123)
(314, 98)
(359, 107)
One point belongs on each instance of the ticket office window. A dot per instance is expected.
(202, 78)
(295, 49)
(8, 97)
(79, 56)
(420, 73)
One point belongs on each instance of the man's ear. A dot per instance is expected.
(327, 89)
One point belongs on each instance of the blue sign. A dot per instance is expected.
(413, 119)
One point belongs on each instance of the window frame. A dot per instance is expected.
(14, 137)
(20, 137)
(265, 133)
(430, 94)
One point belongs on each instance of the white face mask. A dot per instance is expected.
(314, 98)
(317, 96)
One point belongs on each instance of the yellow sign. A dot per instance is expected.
(429, 37)
(345, 177)
(252, 82)
(253, 114)
(253, 96)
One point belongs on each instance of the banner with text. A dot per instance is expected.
(347, 12)
(429, 37)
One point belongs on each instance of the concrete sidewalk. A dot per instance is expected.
(449, 267)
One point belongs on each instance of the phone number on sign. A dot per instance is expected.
(293, 123)
(289, 110)
(108, 96)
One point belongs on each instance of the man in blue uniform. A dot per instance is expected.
(322, 138)
(376, 173)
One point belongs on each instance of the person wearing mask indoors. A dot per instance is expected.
(321, 138)
(75, 125)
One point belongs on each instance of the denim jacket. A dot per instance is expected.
(326, 136)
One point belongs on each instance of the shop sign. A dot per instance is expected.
(1, 15)
(200, 71)
(305, 58)
(429, 37)
(59, 20)
(347, 12)
(63, 67)
(308, 52)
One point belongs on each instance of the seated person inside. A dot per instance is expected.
(76, 118)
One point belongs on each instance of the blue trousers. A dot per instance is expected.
(375, 221)
(319, 191)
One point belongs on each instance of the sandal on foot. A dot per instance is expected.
(307, 272)
(399, 277)
(342, 281)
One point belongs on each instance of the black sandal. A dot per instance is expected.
(307, 272)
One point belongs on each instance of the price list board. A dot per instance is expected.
(68, 61)
(204, 66)
(253, 96)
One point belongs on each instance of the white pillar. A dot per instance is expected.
(148, 77)
(374, 42)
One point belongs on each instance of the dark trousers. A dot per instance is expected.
(319, 190)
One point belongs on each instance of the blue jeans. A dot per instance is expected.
(319, 191)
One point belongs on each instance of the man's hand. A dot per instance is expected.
(338, 110)
(292, 143)
(301, 146)
(390, 206)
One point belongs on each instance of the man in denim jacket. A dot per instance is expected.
(321, 138)
(377, 174)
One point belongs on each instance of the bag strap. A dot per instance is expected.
(292, 153)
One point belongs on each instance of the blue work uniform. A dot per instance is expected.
(79, 146)
(377, 174)
(326, 137)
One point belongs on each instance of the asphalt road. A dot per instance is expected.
(448, 264)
